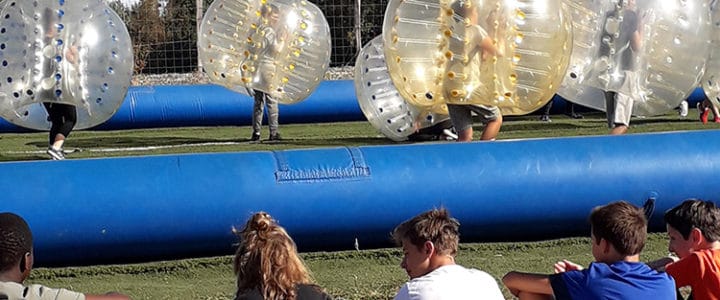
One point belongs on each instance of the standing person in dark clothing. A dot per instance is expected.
(62, 116)
(545, 117)
(569, 111)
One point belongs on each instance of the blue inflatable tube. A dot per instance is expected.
(559, 102)
(132, 209)
(212, 105)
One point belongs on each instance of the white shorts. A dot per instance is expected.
(623, 109)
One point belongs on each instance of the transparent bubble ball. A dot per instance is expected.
(71, 52)
(380, 101)
(280, 47)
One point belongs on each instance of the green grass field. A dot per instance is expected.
(365, 274)
(31, 146)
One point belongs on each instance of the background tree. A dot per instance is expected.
(147, 30)
(164, 32)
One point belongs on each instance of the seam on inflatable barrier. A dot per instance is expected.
(282, 163)
(357, 171)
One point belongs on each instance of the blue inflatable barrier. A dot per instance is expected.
(559, 103)
(212, 105)
(130, 209)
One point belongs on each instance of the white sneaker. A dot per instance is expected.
(55, 154)
(450, 135)
(684, 108)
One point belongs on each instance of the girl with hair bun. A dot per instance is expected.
(267, 264)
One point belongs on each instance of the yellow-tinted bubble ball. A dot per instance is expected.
(280, 47)
(510, 54)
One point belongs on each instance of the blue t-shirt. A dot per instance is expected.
(620, 280)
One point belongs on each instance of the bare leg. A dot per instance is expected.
(618, 129)
(465, 135)
(492, 129)
(58, 141)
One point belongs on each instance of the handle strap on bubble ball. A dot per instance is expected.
(649, 207)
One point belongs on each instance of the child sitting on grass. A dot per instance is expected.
(694, 231)
(429, 242)
(16, 263)
(618, 233)
(268, 266)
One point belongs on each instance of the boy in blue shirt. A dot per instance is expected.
(618, 236)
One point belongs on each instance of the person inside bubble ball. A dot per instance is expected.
(270, 45)
(619, 101)
(61, 116)
(479, 44)
(441, 131)
(704, 108)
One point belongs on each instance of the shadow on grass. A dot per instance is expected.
(23, 157)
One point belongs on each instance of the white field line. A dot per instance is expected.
(127, 149)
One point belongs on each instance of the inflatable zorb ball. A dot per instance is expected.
(280, 47)
(71, 52)
(381, 102)
(411, 42)
(711, 79)
(510, 54)
(506, 53)
(653, 51)
(587, 21)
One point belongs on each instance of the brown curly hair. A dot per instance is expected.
(267, 260)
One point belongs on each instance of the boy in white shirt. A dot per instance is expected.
(429, 242)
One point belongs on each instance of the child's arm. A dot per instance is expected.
(659, 264)
(518, 282)
(488, 46)
(566, 265)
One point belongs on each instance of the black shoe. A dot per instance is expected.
(255, 137)
(275, 137)
(576, 116)
(545, 118)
